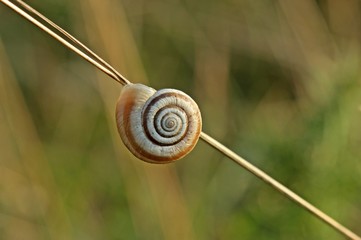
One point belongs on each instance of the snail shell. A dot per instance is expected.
(157, 126)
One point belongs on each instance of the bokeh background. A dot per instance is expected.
(277, 81)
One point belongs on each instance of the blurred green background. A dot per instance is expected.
(277, 81)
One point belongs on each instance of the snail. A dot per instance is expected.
(157, 126)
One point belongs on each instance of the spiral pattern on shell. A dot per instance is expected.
(157, 126)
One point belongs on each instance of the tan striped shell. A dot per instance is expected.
(157, 126)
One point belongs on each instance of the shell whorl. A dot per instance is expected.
(157, 126)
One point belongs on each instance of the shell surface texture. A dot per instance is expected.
(157, 126)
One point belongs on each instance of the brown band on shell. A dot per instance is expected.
(150, 137)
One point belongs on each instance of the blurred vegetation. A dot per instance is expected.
(277, 81)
